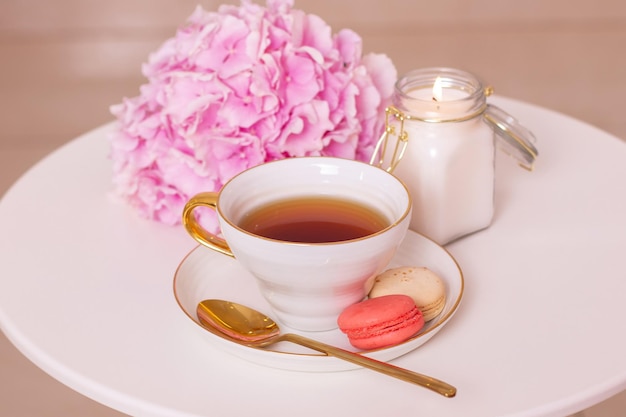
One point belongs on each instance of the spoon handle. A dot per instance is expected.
(425, 381)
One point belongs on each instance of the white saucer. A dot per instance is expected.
(207, 274)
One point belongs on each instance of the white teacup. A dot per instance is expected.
(309, 282)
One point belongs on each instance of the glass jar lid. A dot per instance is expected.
(513, 138)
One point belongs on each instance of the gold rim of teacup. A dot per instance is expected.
(339, 242)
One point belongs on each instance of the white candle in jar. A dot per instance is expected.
(448, 164)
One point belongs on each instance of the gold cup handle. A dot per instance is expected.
(200, 234)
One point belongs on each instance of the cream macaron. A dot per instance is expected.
(426, 288)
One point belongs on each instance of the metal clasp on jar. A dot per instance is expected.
(379, 155)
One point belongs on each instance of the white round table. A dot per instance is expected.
(86, 294)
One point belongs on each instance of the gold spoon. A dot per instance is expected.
(249, 327)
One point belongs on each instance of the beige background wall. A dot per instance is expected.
(63, 62)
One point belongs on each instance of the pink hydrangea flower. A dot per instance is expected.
(239, 87)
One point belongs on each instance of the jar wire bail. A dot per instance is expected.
(378, 156)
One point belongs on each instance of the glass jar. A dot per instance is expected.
(444, 149)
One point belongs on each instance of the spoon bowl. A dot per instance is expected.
(248, 327)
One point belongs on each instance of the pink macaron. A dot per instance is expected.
(381, 322)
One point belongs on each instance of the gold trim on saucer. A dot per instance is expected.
(452, 304)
